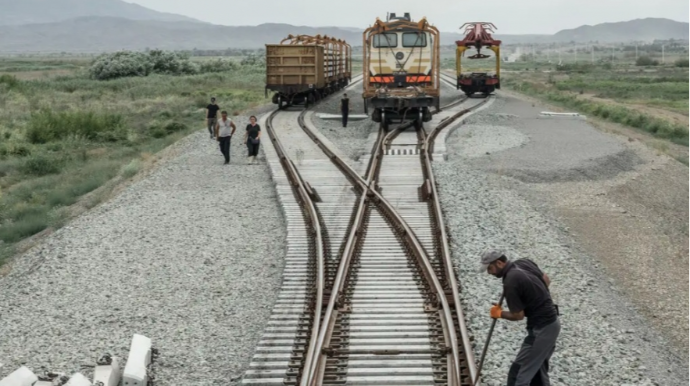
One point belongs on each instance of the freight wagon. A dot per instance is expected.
(303, 69)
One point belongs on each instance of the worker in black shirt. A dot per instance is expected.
(526, 290)
(212, 117)
(345, 108)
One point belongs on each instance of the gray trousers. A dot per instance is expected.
(531, 366)
(211, 123)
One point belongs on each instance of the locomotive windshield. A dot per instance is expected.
(385, 40)
(414, 39)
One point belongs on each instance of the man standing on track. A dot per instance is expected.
(345, 108)
(224, 134)
(212, 116)
(526, 290)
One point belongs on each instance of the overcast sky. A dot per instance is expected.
(509, 16)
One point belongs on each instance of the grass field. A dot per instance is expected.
(652, 100)
(64, 136)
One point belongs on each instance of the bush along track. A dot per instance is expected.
(65, 137)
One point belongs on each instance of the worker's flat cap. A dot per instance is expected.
(489, 257)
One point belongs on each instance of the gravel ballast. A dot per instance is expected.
(352, 139)
(190, 257)
(603, 341)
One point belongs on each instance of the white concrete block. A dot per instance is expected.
(20, 377)
(550, 114)
(351, 117)
(139, 359)
(108, 375)
(78, 380)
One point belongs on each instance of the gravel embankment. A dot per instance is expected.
(191, 257)
(603, 341)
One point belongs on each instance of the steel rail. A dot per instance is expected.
(370, 192)
(299, 185)
(315, 363)
(446, 255)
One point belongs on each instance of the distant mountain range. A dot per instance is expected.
(20, 12)
(108, 25)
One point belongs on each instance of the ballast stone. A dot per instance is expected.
(20, 377)
(138, 361)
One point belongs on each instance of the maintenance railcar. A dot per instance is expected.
(303, 69)
(478, 36)
(401, 70)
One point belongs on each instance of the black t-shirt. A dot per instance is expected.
(253, 131)
(525, 290)
(345, 105)
(212, 111)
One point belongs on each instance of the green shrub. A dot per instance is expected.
(19, 150)
(127, 64)
(171, 63)
(48, 126)
(10, 80)
(174, 127)
(40, 166)
(682, 63)
(218, 65)
(120, 64)
(26, 227)
(131, 168)
(646, 61)
(158, 132)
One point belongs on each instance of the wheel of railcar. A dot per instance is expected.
(280, 103)
(384, 121)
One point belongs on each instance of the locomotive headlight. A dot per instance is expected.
(399, 55)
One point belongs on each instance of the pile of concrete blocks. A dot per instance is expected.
(108, 370)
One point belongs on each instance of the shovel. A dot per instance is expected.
(486, 346)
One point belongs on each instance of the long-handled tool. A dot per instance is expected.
(486, 345)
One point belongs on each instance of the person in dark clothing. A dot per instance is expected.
(253, 139)
(345, 108)
(526, 290)
(212, 116)
(225, 128)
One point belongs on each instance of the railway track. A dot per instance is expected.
(370, 294)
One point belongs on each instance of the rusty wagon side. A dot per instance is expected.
(303, 69)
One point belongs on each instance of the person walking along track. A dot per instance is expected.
(253, 139)
(212, 116)
(526, 290)
(225, 128)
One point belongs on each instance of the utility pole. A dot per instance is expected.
(663, 58)
(636, 52)
(592, 52)
(559, 54)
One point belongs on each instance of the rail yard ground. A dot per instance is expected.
(178, 253)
